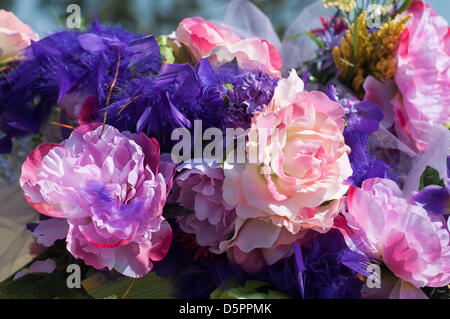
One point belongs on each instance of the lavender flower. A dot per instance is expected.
(180, 94)
(363, 118)
(333, 29)
(246, 94)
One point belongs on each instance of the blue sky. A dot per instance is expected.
(442, 8)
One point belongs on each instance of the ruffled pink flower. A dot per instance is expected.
(423, 76)
(295, 182)
(392, 229)
(199, 188)
(107, 196)
(422, 79)
(220, 45)
(14, 36)
(201, 36)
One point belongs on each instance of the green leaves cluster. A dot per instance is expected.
(252, 289)
(150, 286)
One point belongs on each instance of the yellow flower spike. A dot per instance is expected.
(344, 5)
(358, 80)
(374, 53)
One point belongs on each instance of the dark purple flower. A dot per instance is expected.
(363, 118)
(246, 93)
(435, 199)
(72, 62)
(175, 98)
(181, 94)
(316, 270)
(325, 275)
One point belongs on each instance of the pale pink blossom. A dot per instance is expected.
(298, 181)
(204, 39)
(14, 36)
(419, 98)
(198, 188)
(423, 76)
(392, 229)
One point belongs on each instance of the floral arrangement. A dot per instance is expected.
(221, 162)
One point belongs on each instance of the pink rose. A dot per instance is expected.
(14, 36)
(106, 196)
(199, 188)
(220, 45)
(251, 54)
(389, 228)
(201, 36)
(422, 79)
(296, 183)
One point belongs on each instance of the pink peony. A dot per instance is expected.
(389, 228)
(423, 76)
(422, 79)
(107, 195)
(14, 36)
(204, 40)
(297, 182)
(199, 188)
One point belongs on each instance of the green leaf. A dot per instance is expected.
(252, 289)
(347, 62)
(229, 85)
(239, 293)
(40, 286)
(355, 37)
(148, 287)
(97, 279)
(405, 6)
(430, 176)
(180, 52)
(313, 37)
(254, 284)
(295, 36)
(274, 294)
